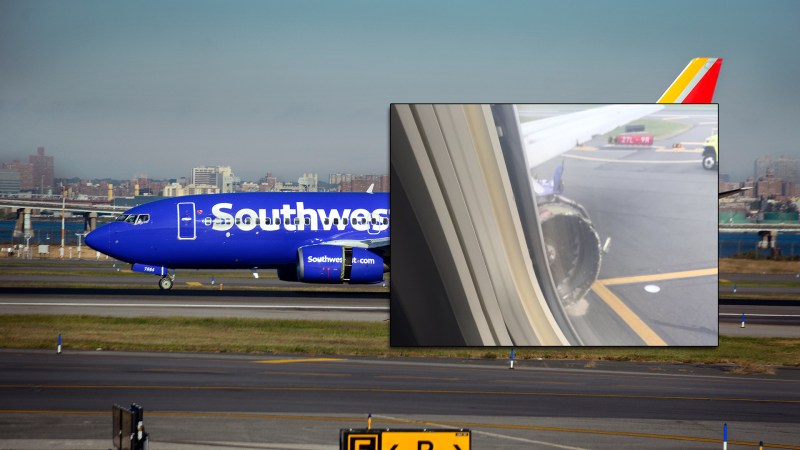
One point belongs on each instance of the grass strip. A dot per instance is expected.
(762, 266)
(309, 337)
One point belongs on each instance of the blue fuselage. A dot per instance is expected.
(244, 230)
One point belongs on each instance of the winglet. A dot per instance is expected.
(369, 189)
(695, 84)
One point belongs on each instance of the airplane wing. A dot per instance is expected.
(733, 192)
(547, 138)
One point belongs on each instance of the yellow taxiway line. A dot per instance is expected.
(650, 337)
(295, 360)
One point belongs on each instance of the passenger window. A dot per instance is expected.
(326, 221)
(344, 221)
(286, 221)
(267, 221)
(336, 221)
(385, 221)
(308, 221)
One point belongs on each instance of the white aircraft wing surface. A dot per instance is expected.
(547, 138)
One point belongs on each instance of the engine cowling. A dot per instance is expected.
(572, 245)
(335, 264)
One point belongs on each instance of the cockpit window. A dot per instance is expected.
(136, 219)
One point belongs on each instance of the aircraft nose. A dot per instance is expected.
(99, 239)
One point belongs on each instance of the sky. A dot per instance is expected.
(123, 89)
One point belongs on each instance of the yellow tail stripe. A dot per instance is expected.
(683, 80)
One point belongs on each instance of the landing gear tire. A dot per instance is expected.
(709, 162)
(165, 283)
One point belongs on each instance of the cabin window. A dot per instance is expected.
(286, 221)
(267, 221)
(308, 221)
(326, 221)
(296, 220)
(385, 221)
(207, 221)
(336, 221)
(344, 221)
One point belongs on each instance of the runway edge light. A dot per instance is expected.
(725, 436)
(58, 349)
(511, 359)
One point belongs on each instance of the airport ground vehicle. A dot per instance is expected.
(711, 152)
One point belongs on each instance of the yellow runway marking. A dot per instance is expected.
(290, 361)
(661, 276)
(538, 382)
(635, 322)
(307, 374)
(125, 271)
(194, 283)
(401, 377)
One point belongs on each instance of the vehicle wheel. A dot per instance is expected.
(709, 162)
(165, 283)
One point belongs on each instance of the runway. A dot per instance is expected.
(658, 280)
(196, 303)
(253, 401)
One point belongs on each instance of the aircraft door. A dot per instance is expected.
(186, 221)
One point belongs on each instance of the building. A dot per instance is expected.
(360, 183)
(9, 182)
(308, 182)
(773, 188)
(782, 167)
(221, 176)
(43, 170)
(25, 171)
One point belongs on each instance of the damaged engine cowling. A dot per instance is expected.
(572, 245)
(334, 264)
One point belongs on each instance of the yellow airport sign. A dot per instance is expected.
(374, 439)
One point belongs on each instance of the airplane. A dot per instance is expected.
(308, 237)
(576, 265)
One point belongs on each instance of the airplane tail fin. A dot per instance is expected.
(695, 84)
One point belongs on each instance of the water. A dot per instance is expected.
(46, 232)
(733, 244)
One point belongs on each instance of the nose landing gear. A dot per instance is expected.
(165, 283)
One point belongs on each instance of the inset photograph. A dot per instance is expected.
(554, 224)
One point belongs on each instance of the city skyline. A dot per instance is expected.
(151, 87)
